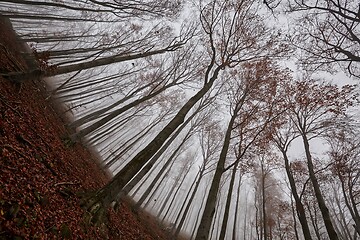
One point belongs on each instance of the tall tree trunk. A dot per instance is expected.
(213, 233)
(228, 202)
(263, 202)
(258, 226)
(294, 219)
(113, 114)
(319, 197)
(143, 171)
(236, 228)
(93, 63)
(198, 216)
(341, 218)
(298, 204)
(351, 207)
(155, 181)
(189, 202)
(314, 222)
(245, 218)
(209, 211)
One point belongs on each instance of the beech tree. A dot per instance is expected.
(210, 144)
(223, 53)
(179, 71)
(127, 8)
(252, 99)
(283, 138)
(344, 153)
(314, 108)
(328, 34)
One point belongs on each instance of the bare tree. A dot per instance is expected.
(329, 34)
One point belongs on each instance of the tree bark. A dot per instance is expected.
(319, 197)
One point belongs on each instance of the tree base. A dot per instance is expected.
(95, 211)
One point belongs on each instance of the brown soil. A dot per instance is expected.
(41, 175)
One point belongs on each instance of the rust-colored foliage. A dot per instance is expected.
(40, 176)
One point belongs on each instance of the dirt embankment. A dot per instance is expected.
(41, 176)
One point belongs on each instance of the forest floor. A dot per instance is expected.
(41, 175)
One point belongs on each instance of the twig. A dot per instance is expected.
(46, 230)
(15, 110)
(12, 148)
(21, 138)
(65, 183)
(33, 145)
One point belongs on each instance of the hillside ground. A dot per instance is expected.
(42, 177)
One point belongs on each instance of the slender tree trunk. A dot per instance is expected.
(93, 63)
(245, 218)
(236, 227)
(351, 207)
(294, 219)
(228, 202)
(341, 218)
(112, 115)
(298, 204)
(355, 233)
(213, 233)
(189, 202)
(198, 216)
(263, 202)
(258, 227)
(319, 197)
(143, 171)
(314, 222)
(155, 181)
(209, 211)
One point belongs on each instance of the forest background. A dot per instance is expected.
(194, 110)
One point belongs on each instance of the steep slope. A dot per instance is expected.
(41, 175)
